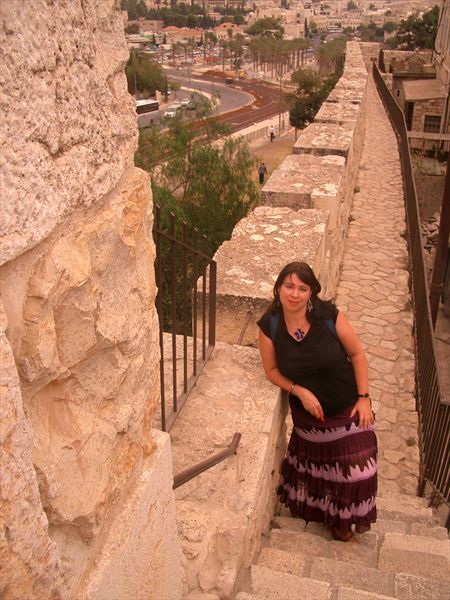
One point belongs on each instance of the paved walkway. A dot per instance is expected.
(373, 291)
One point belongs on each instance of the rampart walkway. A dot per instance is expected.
(373, 291)
(221, 512)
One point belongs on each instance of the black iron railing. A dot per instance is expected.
(434, 414)
(186, 304)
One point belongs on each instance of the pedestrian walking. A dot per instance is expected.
(272, 133)
(262, 172)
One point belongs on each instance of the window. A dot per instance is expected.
(432, 124)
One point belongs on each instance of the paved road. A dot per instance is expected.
(241, 104)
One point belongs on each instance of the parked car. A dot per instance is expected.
(170, 113)
(184, 102)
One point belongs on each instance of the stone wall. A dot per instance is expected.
(81, 380)
(325, 161)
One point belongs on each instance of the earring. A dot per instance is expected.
(309, 306)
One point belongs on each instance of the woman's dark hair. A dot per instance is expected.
(321, 309)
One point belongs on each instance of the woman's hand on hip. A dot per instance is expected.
(364, 409)
(310, 402)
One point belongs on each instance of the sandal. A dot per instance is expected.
(346, 537)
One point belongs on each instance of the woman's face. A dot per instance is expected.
(294, 294)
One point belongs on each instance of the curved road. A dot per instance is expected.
(242, 103)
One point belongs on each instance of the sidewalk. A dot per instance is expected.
(273, 153)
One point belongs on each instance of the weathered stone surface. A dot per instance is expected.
(323, 139)
(222, 512)
(147, 561)
(68, 123)
(305, 181)
(248, 264)
(86, 347)
(417, 555)
(273, 585)
(410, 587)
(29, 559)
(338, 113)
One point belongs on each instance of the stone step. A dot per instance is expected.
(296, 542)
(379, 528)
(383, 526)
(368, 539)
(275, 585)
(417, 555)
(411, 587)
(336, 572)
(356, 594)
(398, 507)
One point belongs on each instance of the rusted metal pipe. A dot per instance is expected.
(206, 464)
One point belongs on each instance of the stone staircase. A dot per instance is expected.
(406, 555)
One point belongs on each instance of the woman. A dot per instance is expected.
(309, 349)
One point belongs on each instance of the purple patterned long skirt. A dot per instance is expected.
(329, 474)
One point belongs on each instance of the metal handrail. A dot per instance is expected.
(183, 309)
(206, 464)
(433, 413)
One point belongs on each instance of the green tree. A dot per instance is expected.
(418, 32)
(312, 90)
(144, 76)
(133, 28)
(210, 184)
(351, 5)
(267, 27)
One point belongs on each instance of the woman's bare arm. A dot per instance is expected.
(357, 356)
(306, 397)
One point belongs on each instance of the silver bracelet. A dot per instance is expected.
(292, 387)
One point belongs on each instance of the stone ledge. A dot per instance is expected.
(303, 180)
(222, 513)
(248, 264)
(322, 139)
(338, 113)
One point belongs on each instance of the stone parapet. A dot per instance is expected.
(305, 181)
(338, 113)
(223, 512)
(322, 139)
(248, 264)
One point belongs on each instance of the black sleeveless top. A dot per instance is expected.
(318, 362)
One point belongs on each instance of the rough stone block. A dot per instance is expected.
(274, 585)
(338, 113)
(71, 146)
(248, 264)
(287, 562)
(30, 562)
(410, 587)
(416, 555)
(404, 508)
(322, 139)
(356, 594)
(340, 573)
(141, 556)
(306, 181)
(86, 346)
